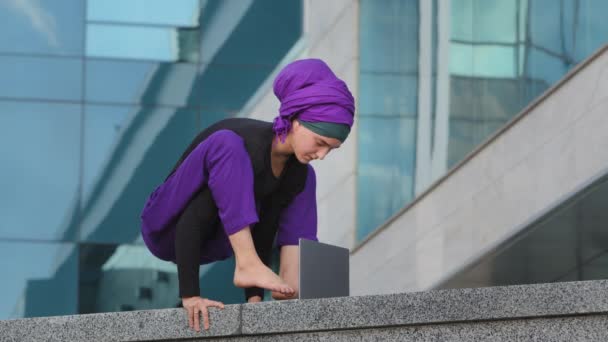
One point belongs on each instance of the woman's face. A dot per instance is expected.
(308, 145)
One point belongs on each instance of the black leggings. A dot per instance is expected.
(200, 222)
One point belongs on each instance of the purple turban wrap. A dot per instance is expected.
(308, 89)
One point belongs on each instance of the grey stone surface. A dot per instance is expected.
(149, 325)
(439, 306)
(566, 329)
(555, 312)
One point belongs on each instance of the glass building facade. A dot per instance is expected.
(98, 98)
(439, 77)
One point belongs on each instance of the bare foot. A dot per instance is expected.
(259, 275)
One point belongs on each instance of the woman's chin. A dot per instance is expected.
(303, 160)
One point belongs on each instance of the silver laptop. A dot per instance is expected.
(324, 270)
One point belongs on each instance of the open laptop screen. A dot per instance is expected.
(324, 270)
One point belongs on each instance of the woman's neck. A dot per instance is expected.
(281, 151)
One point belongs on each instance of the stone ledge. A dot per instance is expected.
(320, 317)
(437, 306)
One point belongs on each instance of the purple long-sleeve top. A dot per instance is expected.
(222, 163)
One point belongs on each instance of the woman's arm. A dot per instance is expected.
(289, 271)
(299, 220)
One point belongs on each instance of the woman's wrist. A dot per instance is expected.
(254, 299)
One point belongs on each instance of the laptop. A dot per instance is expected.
(324, 270)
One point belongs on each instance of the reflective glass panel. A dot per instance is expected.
(210, 116)
(389, 35)
(40, 157)
(482, 61)
(386, 169)
(494, 21)
(42, 283)
(41, 78)
(388, 94)
(249, 32)
(545, 67)
(128, 151)
(591, 29)
(182, 13)
(228, 87)
(133, 82)
(546, 24)
(596, 268)
(461, 20)
(478, 108)
(124, 278)
(216, 282)
(157, 43)
(388, 108)
(42, 27)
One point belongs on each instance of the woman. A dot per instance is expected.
(243, 182)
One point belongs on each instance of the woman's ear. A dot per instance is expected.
(296, 124)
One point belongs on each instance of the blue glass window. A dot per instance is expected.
(156, 43)
(592, 28)
(42, 27)
(128, 151)
(43, 282)
(39, 178)
(135, 82)
(386, 169)
(483, 60)
(216, 282)
(389, 36)
(494, 21)
(249, 32)
(182, 13)
(124, 278)
(41, 78)
(546, 24)
(228, 86)
(388, 94)
(387, 108)
(545, 67)
(211, 116)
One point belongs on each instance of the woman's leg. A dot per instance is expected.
(198, 222)
(263, 237)
(250, 271)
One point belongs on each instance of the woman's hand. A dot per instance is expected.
(289, 271)
(197, 305)
(254, 299)
(280, 296)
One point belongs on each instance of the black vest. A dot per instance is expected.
(272, 194)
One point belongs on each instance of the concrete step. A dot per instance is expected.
(572, 311)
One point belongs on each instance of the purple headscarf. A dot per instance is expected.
(308, 89)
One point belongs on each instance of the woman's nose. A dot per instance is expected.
(321, 154)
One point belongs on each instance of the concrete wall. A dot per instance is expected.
(554, 147)
(544, 312)
(330, 33)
